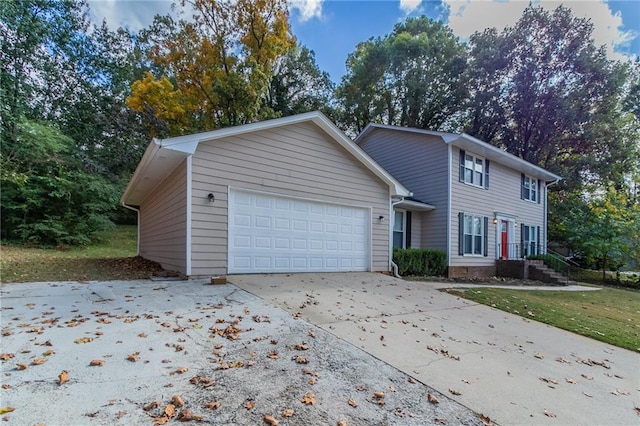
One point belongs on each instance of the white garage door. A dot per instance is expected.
(273, 234)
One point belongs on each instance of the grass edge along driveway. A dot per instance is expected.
(610, 315)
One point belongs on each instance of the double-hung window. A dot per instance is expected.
(399, 229)
(474, 170)
(473, 235)
(530, 189)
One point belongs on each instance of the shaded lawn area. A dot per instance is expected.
(609, 315)
(113, 258)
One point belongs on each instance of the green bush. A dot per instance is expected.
(426, 262)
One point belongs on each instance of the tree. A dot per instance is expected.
(48, 197)
(412, 77)
(219, 65)
(544, 92)
(298, 85)
(606, 230)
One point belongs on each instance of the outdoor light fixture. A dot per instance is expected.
(381, 219)
(211, 197)
(495, 220)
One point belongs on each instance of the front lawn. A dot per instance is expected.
(609, 315)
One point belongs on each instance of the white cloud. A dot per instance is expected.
(131, 14)
(308, 9)
(469, 16)
(409, 6)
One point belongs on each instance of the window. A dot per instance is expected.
(473, 235)
(530, 189)
(474, 170)
(530, 240)
(399, 228)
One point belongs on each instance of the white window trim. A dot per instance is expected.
(403, 230)
(511, 232)
(473, 171)
(482, 241)
(533, 189)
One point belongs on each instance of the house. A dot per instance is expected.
(470, 199)
(292, 194)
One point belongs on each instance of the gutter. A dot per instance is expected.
(137, 224)
(394, 267)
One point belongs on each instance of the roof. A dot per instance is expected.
(469, 143)
(162, 156)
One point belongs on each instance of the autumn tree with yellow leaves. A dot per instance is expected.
(212, 70)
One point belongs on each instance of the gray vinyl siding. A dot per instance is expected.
(503, 196)
(163, 222)
(419, 162)
(297, 160)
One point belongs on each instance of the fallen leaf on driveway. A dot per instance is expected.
(48, 352)
(287, 412)
(180, 370)
(170, 410)
(150, 406)
(133, 357)
(273, 354)
(620, 392)
(343, 423)
(83, 340)
(548, 380)
(560, 359)
(6, 357)
(569, 380)
(308, 398)
(300, 359)
(302, 346)
(21, 366)
(352, 403)
(249, 405)
(432, 399)
(538, 355)
(486, 421)
(378, 394)
(63, 377)
(586, 394)
(454, 392)
(177, 400)
(270, 420)
(39, 361)
(5, 410)
(549, 414)
(187, 415)
(212, 405)
(637, 410)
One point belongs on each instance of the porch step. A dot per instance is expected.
(543, 273)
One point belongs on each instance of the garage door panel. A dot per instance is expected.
(270, 233)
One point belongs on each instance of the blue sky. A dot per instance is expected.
(332, 28)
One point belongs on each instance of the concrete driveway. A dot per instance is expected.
(514, 370)
(155, 352)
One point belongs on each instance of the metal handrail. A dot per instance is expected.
(554, 260)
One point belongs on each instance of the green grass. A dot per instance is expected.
(609, 315)
(113, 257)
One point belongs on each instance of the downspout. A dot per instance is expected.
(138, 224)
(394, 267)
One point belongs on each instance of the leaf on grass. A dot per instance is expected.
(287, 412)
(454, 391)
(308, 398)
(270, 420)
(486, 421)
(212, 405)
(39, 361)
(63, 377)
(352, 403)
(21, 366)
(5, 410)
(432, 399)
(83, 340)
(133, 357)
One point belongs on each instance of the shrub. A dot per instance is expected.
(427, 262)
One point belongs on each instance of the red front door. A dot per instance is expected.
(504, 240)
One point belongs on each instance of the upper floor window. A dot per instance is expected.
(530, 190)
(474, 170)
